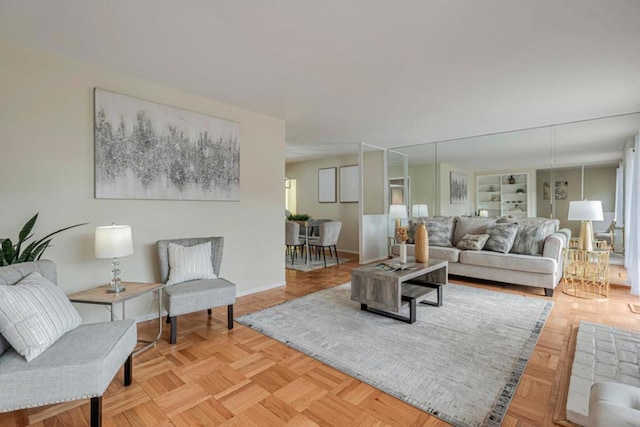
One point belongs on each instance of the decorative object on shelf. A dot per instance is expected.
(483, 212)
(512, 180)
(495, 198)
(145, 150)
(114, 241)
(520, 190)
(13, 254)
(516, 208)
(422, 243)
(585, 211)
(492, 188)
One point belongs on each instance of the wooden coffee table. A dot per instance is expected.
(382, 292)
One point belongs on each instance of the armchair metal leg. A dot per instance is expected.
(128, 370)
(230, 316)
(335, 249)
(96, 411)
(324, 256)
(174, 330)
(209, 311)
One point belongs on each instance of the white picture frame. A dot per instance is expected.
(349, 184)
(327, 185)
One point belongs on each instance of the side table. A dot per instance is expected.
(586, 273)
(100, 296)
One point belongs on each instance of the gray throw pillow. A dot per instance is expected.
(501, 237)
(529, 240)
(473, 242)
(439, 233)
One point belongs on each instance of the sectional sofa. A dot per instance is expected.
(523, 251)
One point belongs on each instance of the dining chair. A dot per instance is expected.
(328, 238)
(292, 239)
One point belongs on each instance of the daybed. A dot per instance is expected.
(523, 251)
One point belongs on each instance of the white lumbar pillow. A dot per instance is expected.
(34, 313)
(190, 263)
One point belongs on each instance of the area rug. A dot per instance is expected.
(314, 264)
(460, 362)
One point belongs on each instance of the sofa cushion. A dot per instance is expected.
(190, 263)
(471, 225)
(501, 237)
(528, 263)
(444, 254)
(34, 314)
(473, 242)
(530, 239)
(439, 233)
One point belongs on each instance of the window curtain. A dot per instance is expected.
(632, 221)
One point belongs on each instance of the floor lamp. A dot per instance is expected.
(586, 211)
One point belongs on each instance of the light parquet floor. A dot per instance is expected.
(213, 376)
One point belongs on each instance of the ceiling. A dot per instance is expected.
(384, 73)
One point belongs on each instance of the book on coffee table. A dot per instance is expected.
(395, 267)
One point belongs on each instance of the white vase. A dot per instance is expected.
(403, 253)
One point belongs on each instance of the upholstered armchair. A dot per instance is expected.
(329, 233)
(192, 283)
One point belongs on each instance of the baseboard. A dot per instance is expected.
(261, 289)
(348, 252)
(382, 258)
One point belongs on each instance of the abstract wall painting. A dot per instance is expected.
(457, 188)
(146, 150)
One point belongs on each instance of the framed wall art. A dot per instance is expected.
(146, 150)
(327, 185)
(349, 184)
(560, 190)
(457, 188)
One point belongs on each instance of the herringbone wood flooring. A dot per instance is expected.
(214, 376)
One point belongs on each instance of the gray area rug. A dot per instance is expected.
(314, 264)
(460, 362)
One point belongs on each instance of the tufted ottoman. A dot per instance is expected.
(614, 404)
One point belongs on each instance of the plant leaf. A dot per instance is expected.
(59, 231)
(26, 229)
(7, 251)
(26, 254)
(39, 250)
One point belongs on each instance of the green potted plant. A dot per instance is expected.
(15, 254)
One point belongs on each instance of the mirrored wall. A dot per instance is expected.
(533, 172)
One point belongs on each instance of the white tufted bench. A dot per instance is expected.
(614, 404)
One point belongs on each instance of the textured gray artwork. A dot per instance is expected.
(145, 150)
(458, 188)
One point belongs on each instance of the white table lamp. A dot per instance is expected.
(114, 241)
(586, 211)
(419, 211)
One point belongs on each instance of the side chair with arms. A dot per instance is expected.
(292, 239)
(329, 233)
(198, 294)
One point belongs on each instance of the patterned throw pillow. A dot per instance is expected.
(34, 313)
(529, 240)
(439, 234)
(501, 237)
(190, 263)
(474, 242)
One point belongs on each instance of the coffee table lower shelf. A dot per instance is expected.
(413, 297)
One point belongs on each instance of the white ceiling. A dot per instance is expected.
(375, 71)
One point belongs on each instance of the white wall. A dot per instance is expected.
(46, 141)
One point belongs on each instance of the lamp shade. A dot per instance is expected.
(585, 210)
(113, 241)
(419, 211)
(398, 211)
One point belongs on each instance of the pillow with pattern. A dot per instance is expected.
(473, 242)
(501, 237)
(439, 234)
(529, 240)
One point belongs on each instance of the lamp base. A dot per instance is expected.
(585, 241)
(116, 291)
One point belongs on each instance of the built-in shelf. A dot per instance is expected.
(503, 194)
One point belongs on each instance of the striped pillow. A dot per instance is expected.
(190, 263)
(34, 313)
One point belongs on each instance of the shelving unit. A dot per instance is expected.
(504, 194)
